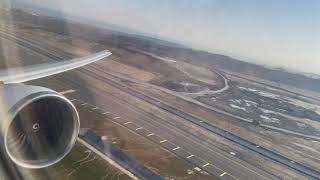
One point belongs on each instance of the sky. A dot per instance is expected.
(283, 33)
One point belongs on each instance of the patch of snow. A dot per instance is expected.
(275, 120)
(247, 89)
(238, 101)
(270, 88)
(232, 153)
(188, 84)
(34, 14)
(170, 60)
(189, 171)
(240, 87)
(264, 117)
(238, 107)
(252, 90)
(197, 169)
(301, 125)
(270, 120)
(104, 138)
(267, 111)
(250, 102)
(266, 94)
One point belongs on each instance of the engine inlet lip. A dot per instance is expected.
(23, 103)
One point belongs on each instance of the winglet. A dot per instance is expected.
(28, 73)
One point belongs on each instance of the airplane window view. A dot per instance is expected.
(174, 90)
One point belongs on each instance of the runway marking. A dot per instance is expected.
(205, 165)
(224, 173)
(138, 128)
(163, 141)
(116, 117)
(176, 148)
(151, 134)
(67, 91)
(94, 108)
(190, 156)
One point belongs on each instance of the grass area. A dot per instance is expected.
(81, 163)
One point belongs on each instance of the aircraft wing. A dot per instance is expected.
(28, 73)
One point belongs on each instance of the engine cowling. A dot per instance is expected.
(39, 127)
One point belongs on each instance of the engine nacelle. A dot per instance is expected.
(39, 127)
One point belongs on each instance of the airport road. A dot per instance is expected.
(211, 92)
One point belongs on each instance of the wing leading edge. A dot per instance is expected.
(28, 73)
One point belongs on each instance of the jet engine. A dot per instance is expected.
(39, 126)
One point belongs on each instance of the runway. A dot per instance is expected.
(188, 147)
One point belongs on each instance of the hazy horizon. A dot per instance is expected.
(277, 34)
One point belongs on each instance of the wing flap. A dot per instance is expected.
(28, 73)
